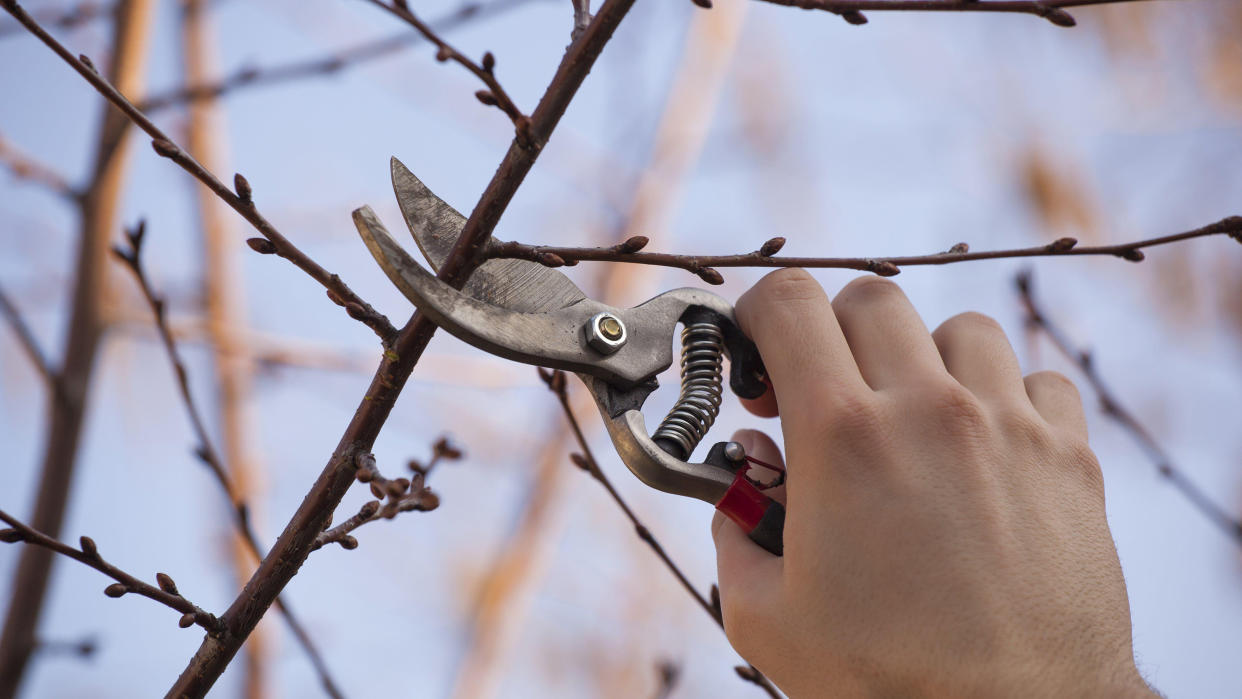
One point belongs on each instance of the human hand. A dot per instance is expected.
(945, 531)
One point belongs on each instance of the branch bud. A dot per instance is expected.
(86, 61)
(348, 543)
(166, 584)
(633, 244)
(1059, 17)
(11, 536)
(705, 4)
(489, 61)
(115, 590)
(427, 501)
(446, 450)
(402, 4)
(1062, 244)
(959, 249)
(854, 17)
(186, 620)
(243, 189)
(369, 509)
(710, 275)
(1133, 255)
(443, 54)
(883, 268)
(263, 246)
(356, 311)
(88, 547)
(165, 148)
(772, 247)
(580, 461)
(377, 489)
(334, 298)
(486, 97)
(550, 259)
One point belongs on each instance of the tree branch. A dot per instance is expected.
(75, 16)
(852, 10)
(26, 168)
(30, 345)
(251, 77)
(166, 594)
(206, 453)
(298, 537)
(273, 241)
(494, 95)
(403, 494)
(705, 265)
(585, 460)
(1115, 411)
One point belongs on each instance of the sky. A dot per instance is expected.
(903, 136)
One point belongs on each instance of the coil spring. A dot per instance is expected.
(702, 355)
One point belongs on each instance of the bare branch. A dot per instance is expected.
(241, 202)
(26, 338)
(403, 494)
(582, 18)
(252, 77)
(75, 16)
(166, 593)
(585, 460)
(27, 168)
(705, 265)
(206, 453)
(1114, 410)
(852, 10)
(494, 95)
(311, 517)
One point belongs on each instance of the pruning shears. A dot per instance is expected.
(529, 313)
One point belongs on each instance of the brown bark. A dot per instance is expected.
(100, 209)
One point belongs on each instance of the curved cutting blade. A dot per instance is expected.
(518, 285)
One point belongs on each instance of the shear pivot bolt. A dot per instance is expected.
(734, 452)
(605, 333)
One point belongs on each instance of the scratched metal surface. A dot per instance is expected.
(517, 285)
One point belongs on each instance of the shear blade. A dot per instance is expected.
(518, 285)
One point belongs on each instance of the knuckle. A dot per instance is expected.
(789, 284)
(868, 289)
(853, 415)
(1053, 381)
(782, 294)
(969, 323)
(956, 408)
(1082, 459)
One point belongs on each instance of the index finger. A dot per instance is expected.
(791, 321)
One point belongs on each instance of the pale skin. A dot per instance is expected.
(945, 531)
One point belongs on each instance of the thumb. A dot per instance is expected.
(749, 576)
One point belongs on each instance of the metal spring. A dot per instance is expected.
(702, 355)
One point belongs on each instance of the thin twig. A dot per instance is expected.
(26, 338)
(705, 265)
(403, 494)
(1115, 411)
(494, 95)
(273, 241)
(27, 168)
(206, 452)
(166, 593)
(852, 10)
(253, 77)
(585, 460)
(582, 18)
(60, 18)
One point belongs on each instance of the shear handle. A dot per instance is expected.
(719, 482)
